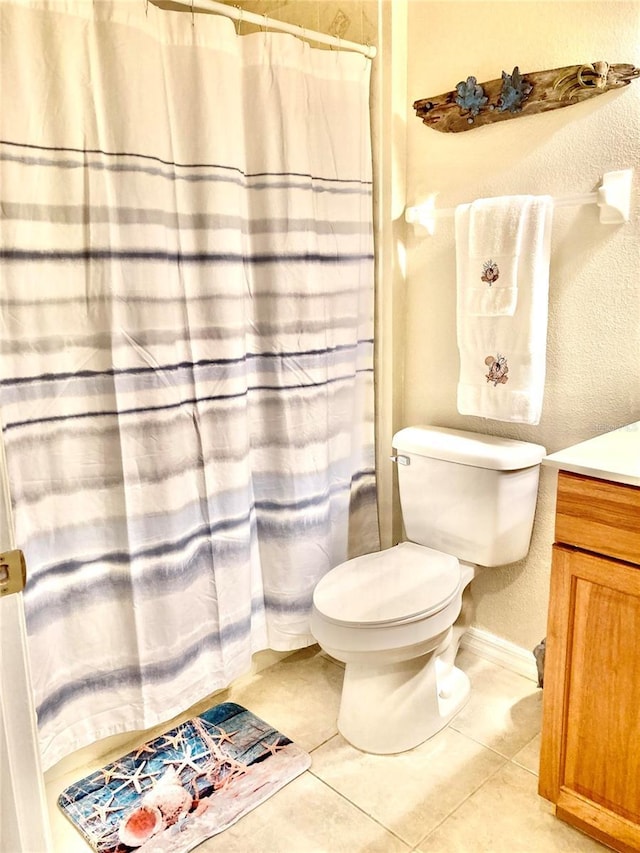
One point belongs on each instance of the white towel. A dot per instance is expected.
(489, 273)
(503, 355)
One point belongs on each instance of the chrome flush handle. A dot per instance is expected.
(400, 460)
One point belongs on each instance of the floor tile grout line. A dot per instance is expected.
(359, 808)
(522, 767)
(322, 743)
(505, 760)
(493, 749)
(464, 800)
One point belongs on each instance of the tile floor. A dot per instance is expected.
(469, 789)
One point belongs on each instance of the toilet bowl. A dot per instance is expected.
(395, 618)
(388, 617)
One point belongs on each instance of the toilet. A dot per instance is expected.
(395, 618)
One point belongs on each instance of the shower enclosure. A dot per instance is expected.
(186, 365)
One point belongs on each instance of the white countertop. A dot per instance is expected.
(612, 456)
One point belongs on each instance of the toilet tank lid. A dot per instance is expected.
(468, 448)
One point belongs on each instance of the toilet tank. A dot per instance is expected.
(468, 494)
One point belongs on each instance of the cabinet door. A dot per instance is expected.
(590, 757)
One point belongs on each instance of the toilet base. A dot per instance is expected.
(396, 707)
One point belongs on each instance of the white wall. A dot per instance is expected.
(593, 363)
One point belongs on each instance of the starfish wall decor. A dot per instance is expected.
(472, 104)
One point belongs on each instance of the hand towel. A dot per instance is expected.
(503, 356)
(497, 227)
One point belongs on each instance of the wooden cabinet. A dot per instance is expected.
(590, 753)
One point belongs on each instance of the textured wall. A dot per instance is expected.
(593, 364)
(350, 19)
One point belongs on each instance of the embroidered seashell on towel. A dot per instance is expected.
(502, 270)
(498, 229)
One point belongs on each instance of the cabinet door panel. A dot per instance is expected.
(595, 706)
(603, 710)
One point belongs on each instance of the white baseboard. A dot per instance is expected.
(506, 654)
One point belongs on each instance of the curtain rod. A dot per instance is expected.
(238, 14)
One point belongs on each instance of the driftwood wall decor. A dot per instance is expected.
(472, 104)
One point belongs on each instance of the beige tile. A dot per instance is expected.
(410, 792)
(529, 756)
(299, 696)
(354, 20)
(504, 710)
(506, 815)
(301, 14)
(305, 817)
(370, 21)
(342, 19)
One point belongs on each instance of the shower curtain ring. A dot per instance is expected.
(193, 17)
(238, 20)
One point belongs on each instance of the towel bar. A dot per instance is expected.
(613, 197)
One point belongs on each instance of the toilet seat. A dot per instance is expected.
(392, 587)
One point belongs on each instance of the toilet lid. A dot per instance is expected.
(399, 584)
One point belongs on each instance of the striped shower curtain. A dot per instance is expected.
(186, 383)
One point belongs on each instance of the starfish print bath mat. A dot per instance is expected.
(184, 786)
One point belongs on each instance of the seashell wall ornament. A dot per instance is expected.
(472, 104)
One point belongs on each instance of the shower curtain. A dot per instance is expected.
(186, 380)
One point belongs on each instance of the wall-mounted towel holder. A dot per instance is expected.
(613, 198)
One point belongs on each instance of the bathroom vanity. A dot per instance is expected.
(590, 752)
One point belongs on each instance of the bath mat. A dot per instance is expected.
(183, 787)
